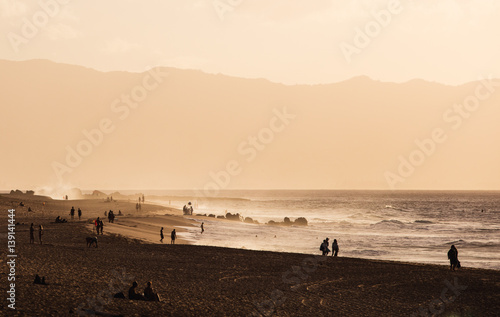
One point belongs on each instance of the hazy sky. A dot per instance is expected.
(285, 41)
(289, 41)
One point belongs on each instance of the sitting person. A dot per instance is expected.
(132, 294)
(150, 295)
(39, 280)
(59, 220)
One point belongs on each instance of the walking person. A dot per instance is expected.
(101, 224)
(97, 224)
(79, 214)
(32, 234)
(173, 236)
(453, 256)
(161, 235)
(40, 233)
(335, 247)
(202, 230)
(324, 247)
(72, 212)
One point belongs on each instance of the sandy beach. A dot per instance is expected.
(211, 281)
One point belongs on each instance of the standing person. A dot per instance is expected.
(32, 234)
(335, 247)
(101, 224)
(190, 208)
(72, 212)
(453, 256)
(202, 230)
(161, 235)
(97, 223)
(79, 214)
(322, 247)
(40, 233)
(173, 236)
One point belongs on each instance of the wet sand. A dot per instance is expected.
(210, 281)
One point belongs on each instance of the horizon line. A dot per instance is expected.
(249, 78)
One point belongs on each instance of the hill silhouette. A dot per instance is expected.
(189, 124)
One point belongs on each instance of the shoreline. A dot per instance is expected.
(138, 225)
(216, 281)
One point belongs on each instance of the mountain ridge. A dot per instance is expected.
(191, 125)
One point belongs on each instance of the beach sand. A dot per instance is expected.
(211, 281)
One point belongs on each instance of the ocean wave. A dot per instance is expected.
(388, 224)
(397, 208)
(475, 244)
(367, 252)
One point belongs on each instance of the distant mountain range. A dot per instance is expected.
(65, 125)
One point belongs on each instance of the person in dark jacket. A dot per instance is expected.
(335, 247)
(132, 293)
(453, 256)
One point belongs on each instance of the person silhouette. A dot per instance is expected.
(132, 293)
(149, 294)
(161, 234)
(40, 233)
(453, 256)
(335, 248)
(32, 234)
(173, 236)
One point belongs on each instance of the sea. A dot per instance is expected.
(408, 226)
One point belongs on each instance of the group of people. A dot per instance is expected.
(72, 213)
(99, 225)
(60, 220)
(32, 233)
(187, 210)
(149, 294)
(110, 215)
(452, 253)
(324, 247)
(173, 236)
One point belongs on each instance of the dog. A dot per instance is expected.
(91, 241)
